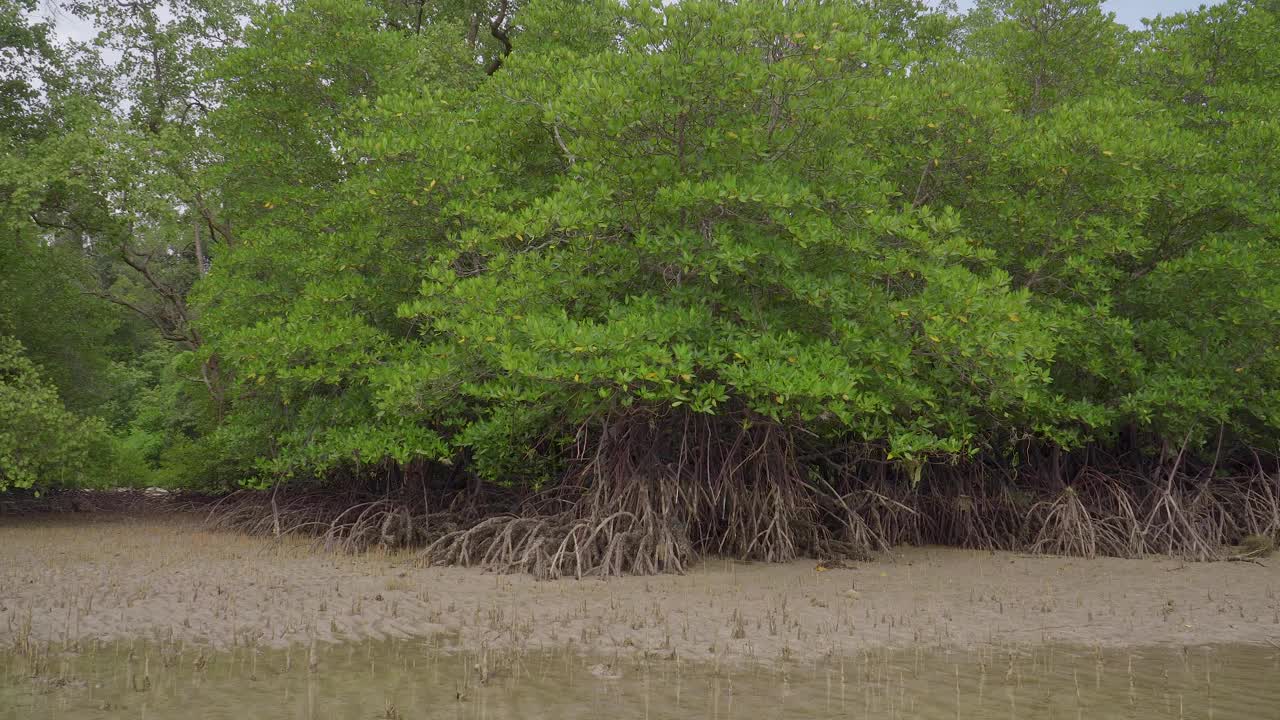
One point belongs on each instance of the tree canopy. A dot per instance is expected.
(320, 239)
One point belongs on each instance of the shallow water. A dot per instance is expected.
(420, 679)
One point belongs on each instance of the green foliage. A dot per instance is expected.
(303, 338)
(63, 330)
(878, 223)
(1046, 51)
(95, 257)
(40, 441)
(703, 229)
(849, 220)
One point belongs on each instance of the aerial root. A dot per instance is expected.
(1092, 516)
(645, 500)
(654, 495)
(340, 520)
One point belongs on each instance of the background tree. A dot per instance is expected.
(667, 279)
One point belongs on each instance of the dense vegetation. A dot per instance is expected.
(599, 287)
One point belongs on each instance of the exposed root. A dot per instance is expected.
(890, 509)
(1170, 528)
(652, 494)
(349, 522)
(1257, 505)
(1094, 516)
(972, 511)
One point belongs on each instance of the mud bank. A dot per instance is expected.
(106, 576)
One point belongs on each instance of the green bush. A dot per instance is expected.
(767, 212)
(42, 445)
(938, 238)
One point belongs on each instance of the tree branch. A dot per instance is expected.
(500, 34)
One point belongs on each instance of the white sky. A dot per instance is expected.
(1131, 12)
(69, 26)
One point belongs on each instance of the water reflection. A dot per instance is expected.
(428, 679)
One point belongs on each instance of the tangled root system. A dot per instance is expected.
(651, 497)
(350, 520)
(1093, 516)
(649, 494)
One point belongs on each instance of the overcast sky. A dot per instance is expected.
(1131, 12)
(69, 26)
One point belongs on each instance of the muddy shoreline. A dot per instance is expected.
(107, 576)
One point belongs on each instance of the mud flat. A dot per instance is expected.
(76, 578)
